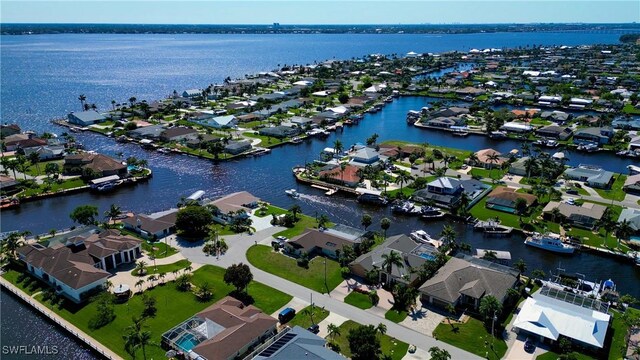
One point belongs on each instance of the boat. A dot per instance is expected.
(296, 140)
(413, 116)
(106, 187)
(633, 170)
(293, 193)
(388, 99)
(9, 203)
(372, 198)
(492, 228)
(261, 151)
(164, 151)
(406, 208)
(424, 237)
(547, 143)
(587, 147)
(551, 242)
(498, 135)
(431, 212)
(460, 132)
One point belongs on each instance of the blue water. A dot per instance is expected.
(42, 76)
(186, 342)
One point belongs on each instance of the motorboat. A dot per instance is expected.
(431, 212)
(460, 132)
(406, 208)
(296, 140)
(492, 228)
(424, 237)
(551, 242)
(293, 193)
(372, 198)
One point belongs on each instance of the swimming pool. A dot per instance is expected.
(187, 342)
(427, 256)
(501, 208)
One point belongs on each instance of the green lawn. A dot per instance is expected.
(472, 337)
(550, 355)
(460, 154)
(163, 269)
(395, 315)
(358, 300)
(33, 169)
(263, 257)
(618, 347)
(158, 249)
(30, 284)
(172, 306)
(271, 210)
(304, 222)
(495, 174)
(630, 109)
(616, 192)
(266, 141)
(480, 211)
(389, 345)
(56, 186)
(303, 319)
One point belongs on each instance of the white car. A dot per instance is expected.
(282, 238)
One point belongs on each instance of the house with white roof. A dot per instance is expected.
(550, 314)
(227, 121)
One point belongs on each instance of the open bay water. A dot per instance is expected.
(43, 75)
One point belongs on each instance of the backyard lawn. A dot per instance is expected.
(358, 300)
(304, 222)
(29, 284)
(172, 306)
(56, 186)
(472, 337)
(263, 257)
(616, 192)
(618, 347)
(33, 169)
(495, 174)
(166, 269)
(158, 249)
(303, 319)
(550, 355)
(389, 345)
(480, 211)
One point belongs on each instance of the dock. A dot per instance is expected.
(329, 191)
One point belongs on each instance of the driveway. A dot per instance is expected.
(423, 320)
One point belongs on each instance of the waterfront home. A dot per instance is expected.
(593, 176)
(364, 156)
(148, 132)
(598, 135)
(483, 159)
(499, 257)
(634, 144)
(237, 147)
(75, 263)
(220, 122)
(153, 226)
(9, 129)
(225, 330)
(232, 205)
(584, 216)
(348, 176)
(101, 165)
(192, 93)
(550, 314)
(47, 152)
(279, 132)
(518, 167)
(556, 116)
(413, 254)
(274, 96)
(446, 192)
(555, 131)
(85, 118)
(516, 127)
(8, 184)
(632, 185)
(504, 199)
(18, 141)
(195, 141)
(177, 133)
(449, 112)
(444, 122)
(301, 122)
(465, 281)
(295, 343)
(632, 216)
(327, 242)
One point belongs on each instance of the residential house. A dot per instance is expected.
(8, 184)
(301, 122)
(444, 122)
(632, 216)
(600, 136)
(559, 117)
(484, 161)
(413, 253)
(328, 242)
(550, 314)
(9, 129)
(593, 176)
(177, 134)
(584, 216)
(46, 152)
(446, 192)
(501, 257)
(556, 132)
(237, 147)
(295, 343)
(153, 226)
(632, 185)
(225, 330)
(194, 142)
(85, 118)
(518, 167)
(465, 281)
(21, 141)
(192, 93)
(504, 199)
(279, 132)
(101, 164)
(219, 122)
(453, 111)
(235, 204)
(148, 132)
(364, 156)
(348, 176)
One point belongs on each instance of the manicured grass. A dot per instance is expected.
(56, 186)
(460, 154)
(158, 249)
(172, 306)
(481, 212)
(358, 300)
(618, 347)
(630, 109)
(395, 315)
(550, 355)
(389, 345)
(472, 337)
(33, 169)
(266, 141)
(406, 191)
(264, 258)
(616, 192)
(495, 174)
(303, 319)
(304, 222)
(30, 284)
(270, 210)
(166, 269)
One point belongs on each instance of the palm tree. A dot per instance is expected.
(366, 221)
(608, 224)
(473, 159)
(113, 212)
(337, 146)
(381, 329)
(451, 310)
(390, 259)
(623, 231)
(175, 273)
(449, 237)
(403, 178)
(439, 354)
(161, 277)
(152, 279)
(138, 336)
(323, 220)
(492, 159)
(530, 164)
(82, 99)
(140, 284)
(12, 242)
(385, 223)
(141, 267)
(188, 269)
(34, 158)
(295, 210)
(333, 330)
(520, 265)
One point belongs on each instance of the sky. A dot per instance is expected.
(319, 11)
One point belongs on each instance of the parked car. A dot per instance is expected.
(314, 328)
(572, 191)
(286, 315)
(529, 346)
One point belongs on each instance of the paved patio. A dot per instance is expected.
(423, 320)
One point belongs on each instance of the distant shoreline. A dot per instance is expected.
(34, 29)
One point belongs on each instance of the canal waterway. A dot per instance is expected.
(43, 75)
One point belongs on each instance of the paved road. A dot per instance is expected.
(238, 246)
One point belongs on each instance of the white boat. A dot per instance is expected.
(293, 193)
(549, 241)
(424, 237)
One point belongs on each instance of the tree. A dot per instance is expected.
(366, 221)
(372, 139)
(449, 237)
(346, 255)
(149, 306)
(520, 265)
(192, 221)
(623, 231)
(52, 169)
(136, 336)
(104, 311)
(607, 223)
(403, 178)
(337, 146)
(385, 223)
(12, 242)
(521, 207)
(374, 297)
(205, 292)
(489, 306)
(490, 255)
(34, 158)
(439, 354)
(183, 282)
(538, 274)
(493, 159)
(390, 259)
(295, 210)
(238, 275)
(84, 214)
(141, 267)
(333, 330)
(363, 343)
(323, 220)
(82, 99)
(113, 212)
(140, 284)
